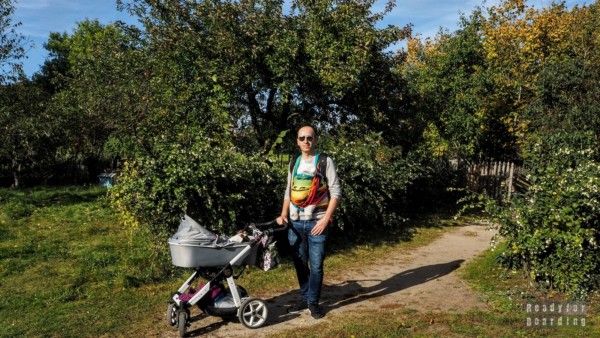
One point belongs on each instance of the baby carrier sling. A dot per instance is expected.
(320, 176)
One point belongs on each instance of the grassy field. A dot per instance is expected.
(64, 264)
(506, 293)
(68, 267)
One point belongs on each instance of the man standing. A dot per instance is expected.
(311, 197)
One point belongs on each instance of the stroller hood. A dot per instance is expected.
(192, 233)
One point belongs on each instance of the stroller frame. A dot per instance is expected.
(251, 312)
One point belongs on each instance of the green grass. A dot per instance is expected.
(509, 291)
(64, 264)
(61, 259)
(68, 267)
(400, 322)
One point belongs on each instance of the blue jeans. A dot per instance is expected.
(308, 253)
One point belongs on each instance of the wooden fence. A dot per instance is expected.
(496, 179)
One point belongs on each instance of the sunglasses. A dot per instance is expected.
(307, 138)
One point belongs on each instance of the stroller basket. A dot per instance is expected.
(192, 256)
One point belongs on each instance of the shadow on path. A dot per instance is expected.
(347, 293)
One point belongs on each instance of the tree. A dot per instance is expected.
(11, 49)
(267, 70)
(543, 61)
(24, 128)
(15, 123)
(228, 77)
(97, 81)
(452, 90)
(566, 93)
(506, 75)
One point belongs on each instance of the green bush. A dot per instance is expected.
(553, 230)
(374, 180)
(221, 187)
(207, 179)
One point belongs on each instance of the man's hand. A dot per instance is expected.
(282, 219)
(320, 226)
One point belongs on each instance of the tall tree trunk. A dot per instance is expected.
(16, 171)
(255, 114)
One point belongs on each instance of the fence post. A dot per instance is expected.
(510, 180)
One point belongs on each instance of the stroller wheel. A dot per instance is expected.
(171, 314)
(253, 313)
(182, 322)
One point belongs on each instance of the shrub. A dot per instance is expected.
(553, 229)
(439, 185)
(374, 180)
(220, 187)
(216, 185)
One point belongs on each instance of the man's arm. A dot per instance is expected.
(335, 193)
(323, 223)
(283, 218)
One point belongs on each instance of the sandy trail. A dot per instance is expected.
(424, 280)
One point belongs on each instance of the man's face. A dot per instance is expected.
(306, 139)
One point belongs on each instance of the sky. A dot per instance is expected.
(41, 17)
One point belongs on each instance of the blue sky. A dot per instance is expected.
(40, 17)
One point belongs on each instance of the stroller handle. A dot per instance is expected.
(270, 226)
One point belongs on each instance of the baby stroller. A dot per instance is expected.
(213, 259)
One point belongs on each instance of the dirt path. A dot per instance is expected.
(424, 280)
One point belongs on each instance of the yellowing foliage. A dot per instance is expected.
(508, 71)
(518, 41)
(518, 38)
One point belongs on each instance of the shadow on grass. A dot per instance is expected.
(346, 293)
